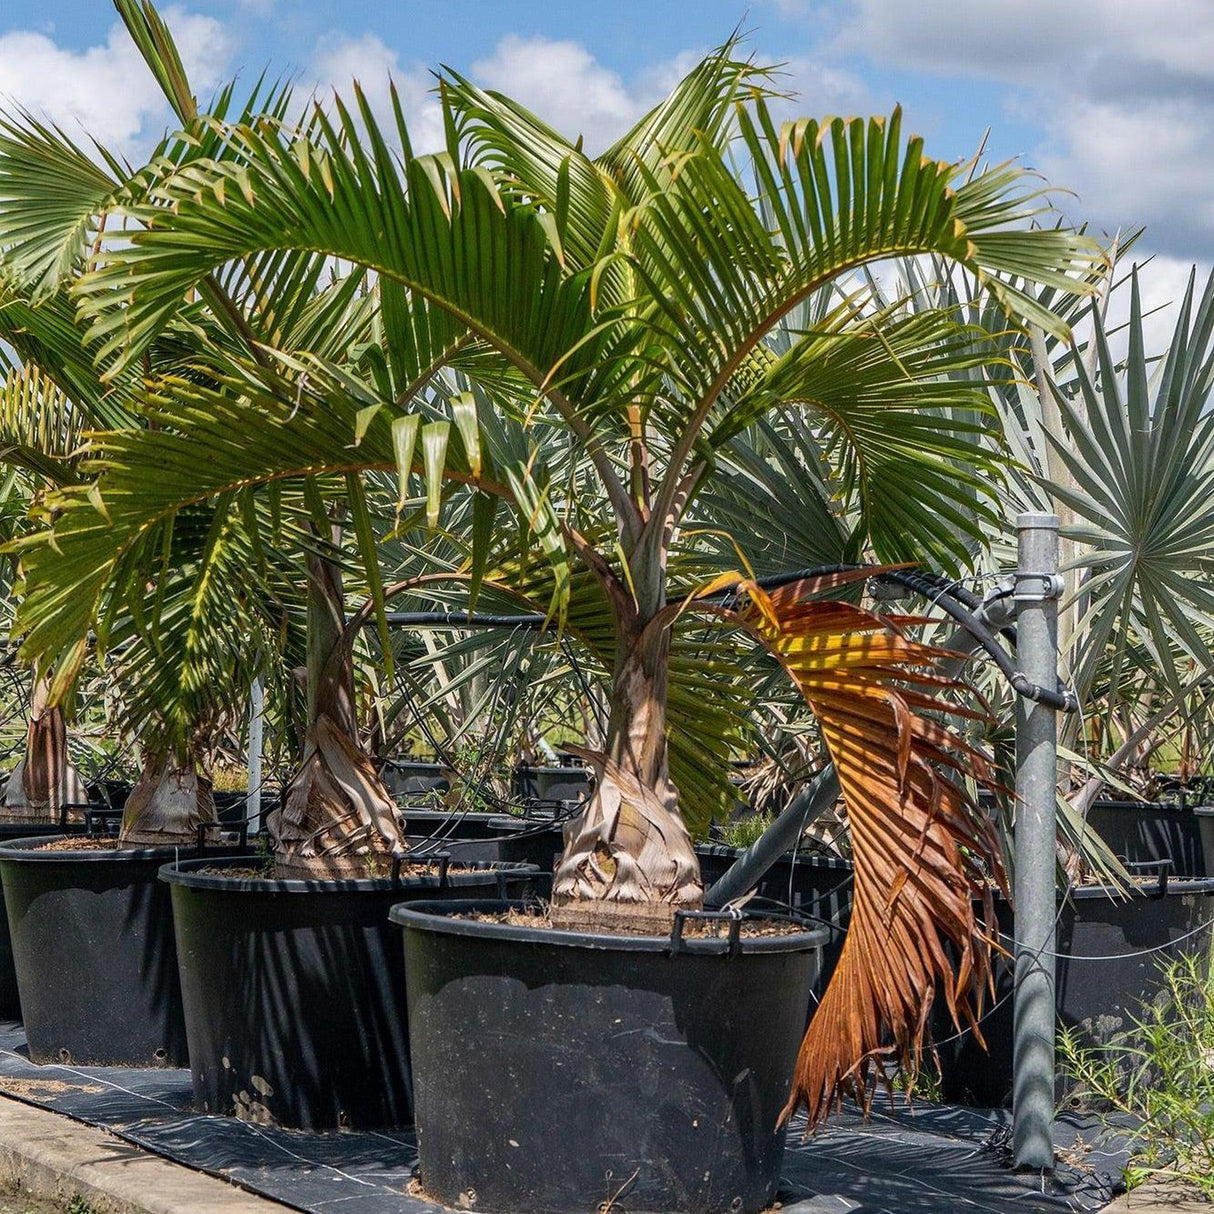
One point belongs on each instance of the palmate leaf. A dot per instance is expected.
(772, 500)
(1138, 451)
(923, 850)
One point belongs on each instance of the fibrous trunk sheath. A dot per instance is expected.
(628, 858)
(169, 802)
(337, 818)
(44, 780)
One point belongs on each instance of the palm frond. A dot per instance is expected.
(924, 852)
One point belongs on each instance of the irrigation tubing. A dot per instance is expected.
(953, 598)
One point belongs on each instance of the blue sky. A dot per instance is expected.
(1111, 98)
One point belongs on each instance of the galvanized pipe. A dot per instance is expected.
(1037, 590)
(252, 807)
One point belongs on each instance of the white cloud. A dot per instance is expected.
(565, 85)
(1032, 39)
(1162, 282)
(819, 89)
(340, 60)
(1123, 91)
(107, 90)
(561, 82)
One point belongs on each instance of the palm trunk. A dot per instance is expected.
(337, 819)
(628, 858)
(170, 801)
(44, 780)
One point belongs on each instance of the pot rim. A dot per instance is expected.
(810, 859)
(538, 821)
(182, 873)
(19, 851)
(1176, 887)
(437, 917)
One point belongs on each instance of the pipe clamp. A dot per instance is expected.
(1038, 587)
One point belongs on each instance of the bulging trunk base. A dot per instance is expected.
(167, 806)
(337, 819)
(45, 779)
(628, 856)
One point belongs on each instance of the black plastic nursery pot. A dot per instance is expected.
(294, 990)
(1108, 966)
(469, 837)
(10, 998)
(533, 839)
(93, 950)
(413, 777)
(1144, 831)
(559, 1071)
(551, 783)
(1205, 824)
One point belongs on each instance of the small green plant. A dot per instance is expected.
(745, 830)
(263, 852)
(926, 1086)
(1155, 1081)
(79, 1206)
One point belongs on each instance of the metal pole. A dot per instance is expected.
(253, 802)
(1037, 589)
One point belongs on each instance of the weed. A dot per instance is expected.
(745, 830)
(1156, 1080)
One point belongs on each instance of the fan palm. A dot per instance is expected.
(615, 314)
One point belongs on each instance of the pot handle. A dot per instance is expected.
(100, 813)
(67, 807)
(242, 833)
(731, 915)
(1164, 866)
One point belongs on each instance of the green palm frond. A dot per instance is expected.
(39, 427)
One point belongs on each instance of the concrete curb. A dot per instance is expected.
(49, 1155)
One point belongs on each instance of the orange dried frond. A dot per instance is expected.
(924, 852)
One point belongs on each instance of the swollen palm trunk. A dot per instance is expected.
(337, 818)
(44, 780)
(628, 859)
(168, 804)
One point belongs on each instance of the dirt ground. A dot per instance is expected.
(14, 1202)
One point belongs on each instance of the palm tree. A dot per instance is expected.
(39, 433)
(54, 201)
(615, 313)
